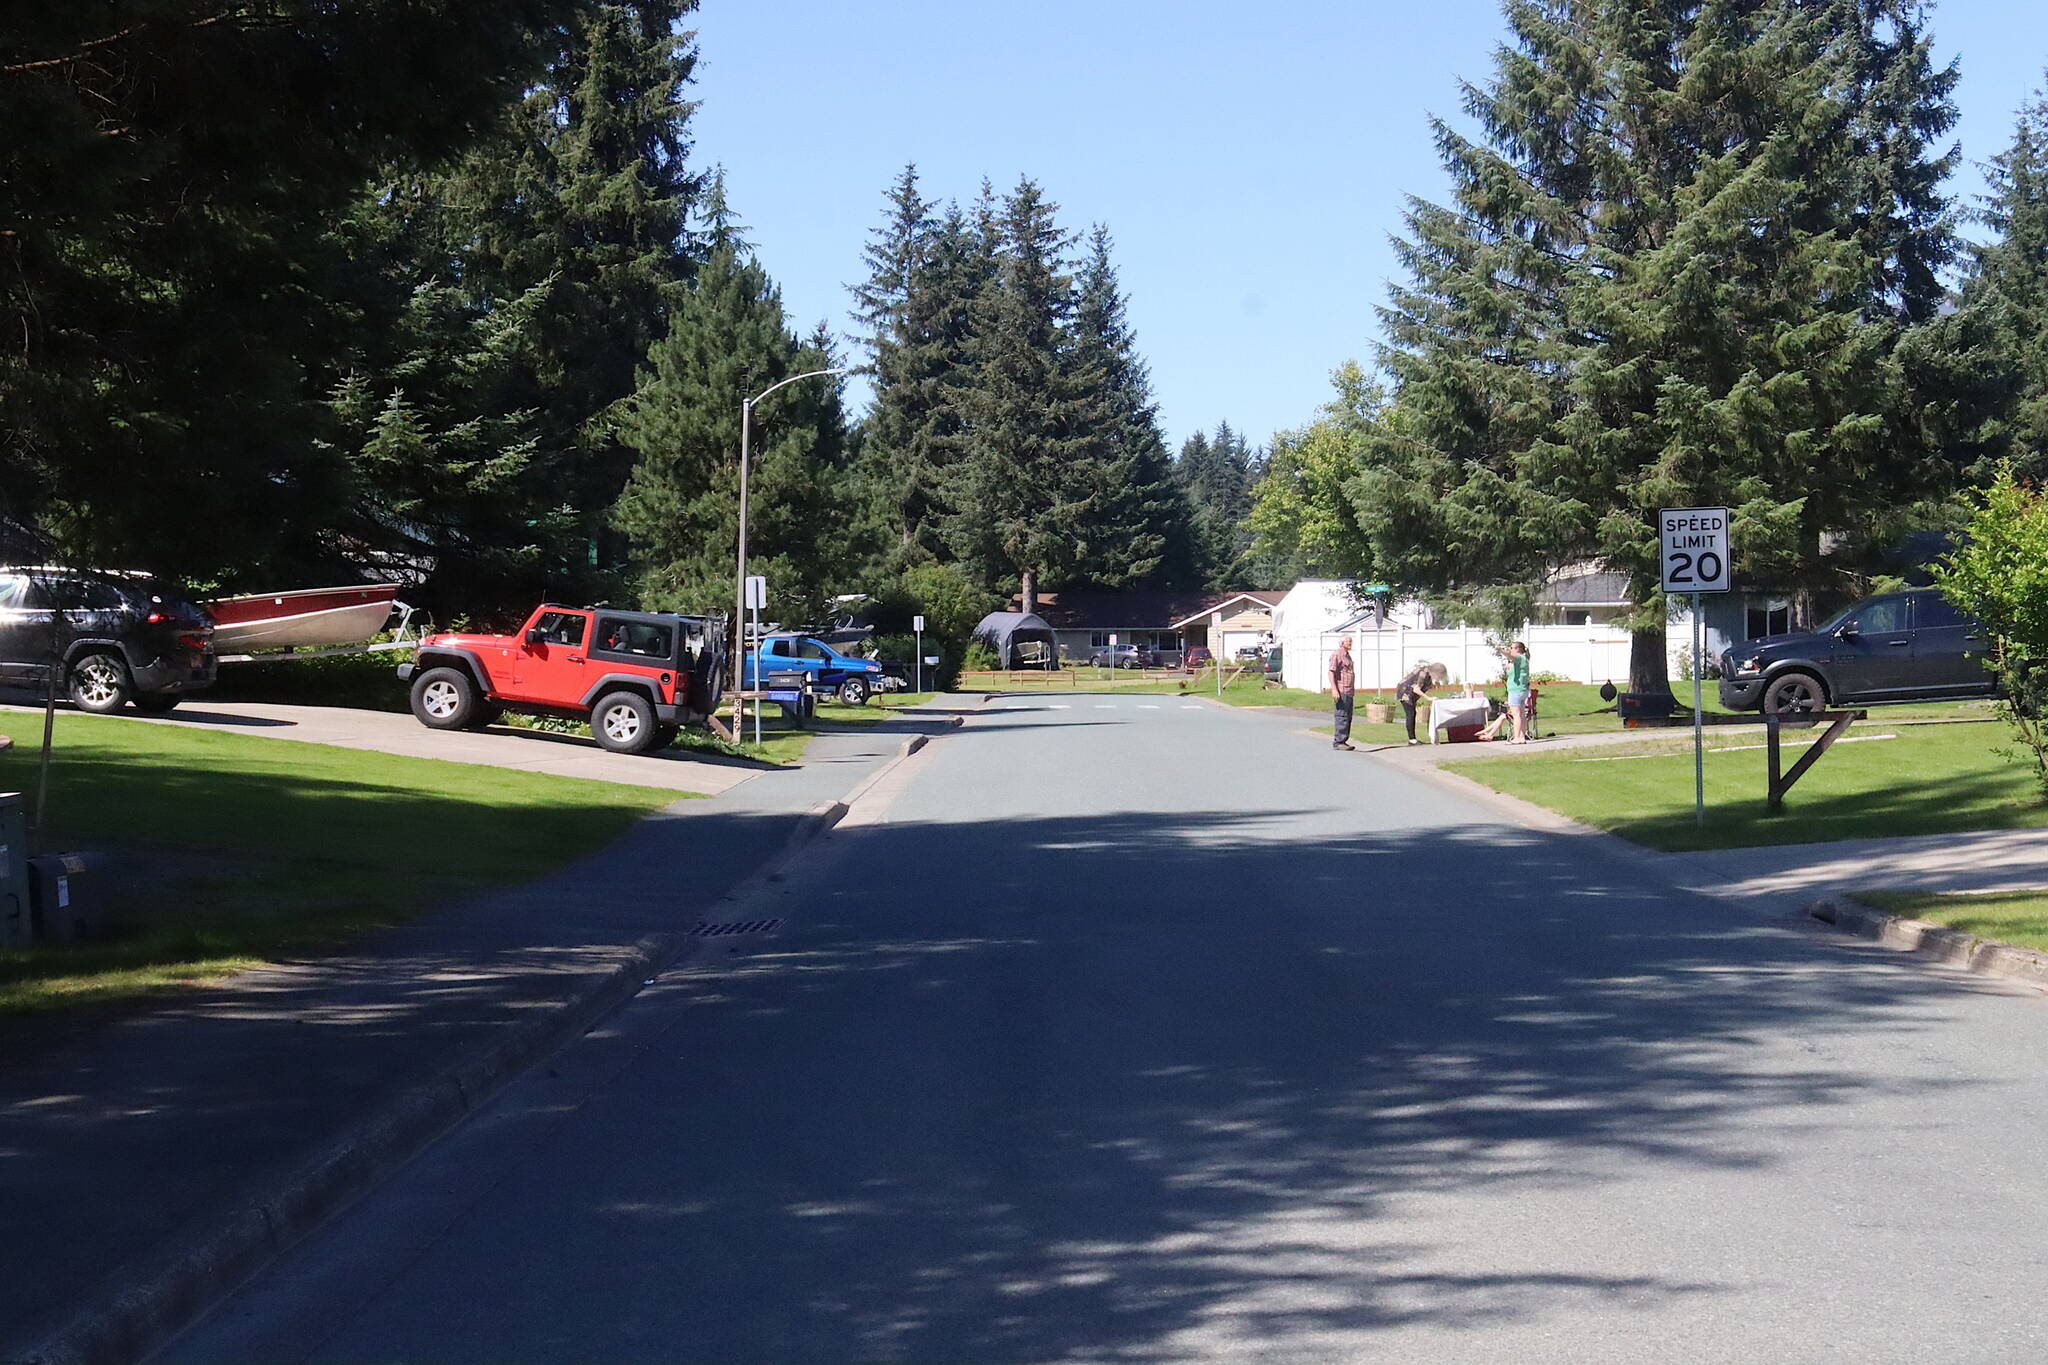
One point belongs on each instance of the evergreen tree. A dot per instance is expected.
(1141, 534)
(1985, 368)
(917, 303)
(1028, 486)
(579, 206)
(1678, 273)
(1216, 473)
(680, 511)
(161, 185)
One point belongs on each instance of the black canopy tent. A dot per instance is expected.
(1020, 639)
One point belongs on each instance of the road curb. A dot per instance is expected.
(1988, 957)
(167, 1292)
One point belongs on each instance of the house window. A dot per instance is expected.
(1098, 640)
(1769, 618)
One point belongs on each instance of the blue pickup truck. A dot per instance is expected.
(854, 680)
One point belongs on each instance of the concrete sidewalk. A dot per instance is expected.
(500, 746)
(151, 1159)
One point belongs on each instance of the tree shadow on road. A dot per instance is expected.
(1145, 1087)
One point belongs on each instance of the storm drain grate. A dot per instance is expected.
(726, 928)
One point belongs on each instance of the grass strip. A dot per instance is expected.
(227, 850)
(1929, 780)
(2016, 917)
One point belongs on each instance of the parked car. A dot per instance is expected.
(126, 637)
(1250, 653)
(1199, 657)
(853, 680)
(636, 677)
(1121, 656)
(1900, 646)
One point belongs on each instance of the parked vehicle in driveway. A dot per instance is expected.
(1121, 656)
(637, 677)
(1197, 658)
(852, 680)
(1901, 646)
(124, 637)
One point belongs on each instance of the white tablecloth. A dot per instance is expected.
(1445, 711)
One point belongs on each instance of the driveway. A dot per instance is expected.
(500, 746)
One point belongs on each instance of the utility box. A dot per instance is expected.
(69, 903)
(17, 923)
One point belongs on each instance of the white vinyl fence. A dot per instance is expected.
(1591, 654)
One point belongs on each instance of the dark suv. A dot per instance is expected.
(124, 637)
(1121, 656)
(1902, 646)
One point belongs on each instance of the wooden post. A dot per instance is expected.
(1840, 721)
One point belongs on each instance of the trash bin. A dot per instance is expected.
(17, 922)
(68, 903)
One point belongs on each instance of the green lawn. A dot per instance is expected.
(2016, 917)
(1930, 779)
(250, 849)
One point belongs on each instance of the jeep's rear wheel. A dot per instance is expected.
(98, 683)
(444, 699)
(624, 723)
(1792, 693)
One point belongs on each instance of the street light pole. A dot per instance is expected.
(739, 610)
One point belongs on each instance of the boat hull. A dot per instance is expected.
(309, 618)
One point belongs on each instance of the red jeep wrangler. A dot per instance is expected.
(638, 677)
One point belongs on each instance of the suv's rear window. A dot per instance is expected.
(637, 639)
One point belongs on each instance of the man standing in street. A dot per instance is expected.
(1343, 680)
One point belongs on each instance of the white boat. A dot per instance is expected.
(304, 618)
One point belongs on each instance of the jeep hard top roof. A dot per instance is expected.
(632, 611)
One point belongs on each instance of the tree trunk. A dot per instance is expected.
(1649, 670)
(1030, 593)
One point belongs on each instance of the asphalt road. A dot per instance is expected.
(1138, 1030)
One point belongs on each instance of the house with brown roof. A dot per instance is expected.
(1165, 622)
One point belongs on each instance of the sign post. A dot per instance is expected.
(917, 628)
(1695, 560)
(757, 598)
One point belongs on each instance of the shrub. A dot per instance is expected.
(2000, 576)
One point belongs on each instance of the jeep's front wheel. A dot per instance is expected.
(853, 692)
(98, 683)
(624, 723)
(444, 699)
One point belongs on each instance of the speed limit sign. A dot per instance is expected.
(1695, 557)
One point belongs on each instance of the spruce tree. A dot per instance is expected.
(1140, 535)
(1986, 375)
(163, 183)
(579, 206)
(1216, 473)
(1678, 272)
(1028, 486)
(916, 304)
(727, 342)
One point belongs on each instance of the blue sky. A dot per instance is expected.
(1250, 163)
